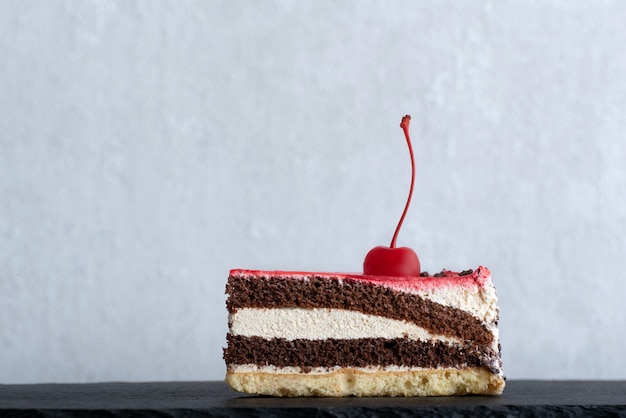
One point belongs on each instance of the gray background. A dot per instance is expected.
(147, 147)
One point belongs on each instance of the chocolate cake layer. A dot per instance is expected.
(316, 292)
(363, 352)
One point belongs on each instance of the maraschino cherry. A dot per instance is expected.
(393, 261)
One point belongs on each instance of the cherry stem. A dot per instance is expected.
(406, 120)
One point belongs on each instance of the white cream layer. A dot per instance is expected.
(479, 301)
(318, 324)
(253, 368)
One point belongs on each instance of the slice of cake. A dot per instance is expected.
(391, 331)
(322, 334)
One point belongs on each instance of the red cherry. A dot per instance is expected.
(392, 261)
(385, 261)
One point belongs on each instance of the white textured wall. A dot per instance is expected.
(147, 147)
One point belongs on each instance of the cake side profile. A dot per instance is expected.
(391, 331)
(331, 334)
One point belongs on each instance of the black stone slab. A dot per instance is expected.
(189, 399)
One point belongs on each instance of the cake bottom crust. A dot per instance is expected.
(353, 382)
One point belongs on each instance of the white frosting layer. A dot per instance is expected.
(318, 324)
(479, 301)
(253, 368)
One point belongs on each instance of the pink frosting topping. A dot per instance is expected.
(478, 278)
